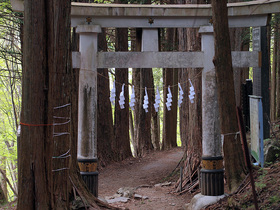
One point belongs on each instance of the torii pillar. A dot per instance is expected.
(212, 172)
(87, 111)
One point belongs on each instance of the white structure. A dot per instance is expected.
(87, 121)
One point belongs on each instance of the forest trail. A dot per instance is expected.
(143, 174)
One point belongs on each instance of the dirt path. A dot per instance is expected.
(143, 174)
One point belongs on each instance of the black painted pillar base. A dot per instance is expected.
(212, 176)
(89, 173)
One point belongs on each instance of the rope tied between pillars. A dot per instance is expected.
(229, 134)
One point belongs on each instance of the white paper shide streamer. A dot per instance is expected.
(132, 99)
(169, 99)
(122, 99)
(146, 101)
(192, 93)
(181, 93)
(113, 94)
(157, 101)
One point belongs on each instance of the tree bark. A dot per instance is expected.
(49, 110)
(105, 132)
(277, 64)
(183, 77)
(239, 38)
(234, 160)
(273, 75)
(121, 126)
(190, 114)
(142, 121)
(195, 109)
(144, 127)
(34, 164)
(278, 84)
(59, 67)
(43, 180)
(169, 133)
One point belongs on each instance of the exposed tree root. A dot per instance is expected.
(88, 199)
(190, 181)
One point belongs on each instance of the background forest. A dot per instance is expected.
(123, 133)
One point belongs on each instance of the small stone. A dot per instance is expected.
(271, 150)
(126, 194)
(120, 199)
(126, 191)
(116, 195)
(145, 197)
(163, 184)
(103, 200)
(166, 184)
(186, 206)
(120, 191)
(137, 196)
(109, 197)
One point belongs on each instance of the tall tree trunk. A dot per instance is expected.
(46, 78)
(190, 114)
(34, 169)
(233, 156)
(195, 109)
(239, 42)
(121, 126)
(169, 133)
(155, 122)
(48, 110)
(105, 132)
(59, 67)
(278, 83)
(183, 77)
(142, 78)
(236, 45)
(277, 65)
(144, 126)
(143, 122)
(273, 75)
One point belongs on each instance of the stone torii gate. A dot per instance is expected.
(150, 18)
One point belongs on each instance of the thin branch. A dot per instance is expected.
(7, 180)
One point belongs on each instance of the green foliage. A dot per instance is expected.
(260, 184)
(274, 199)
(10, 88)
(274, 22)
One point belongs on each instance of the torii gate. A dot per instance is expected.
(150, 18)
